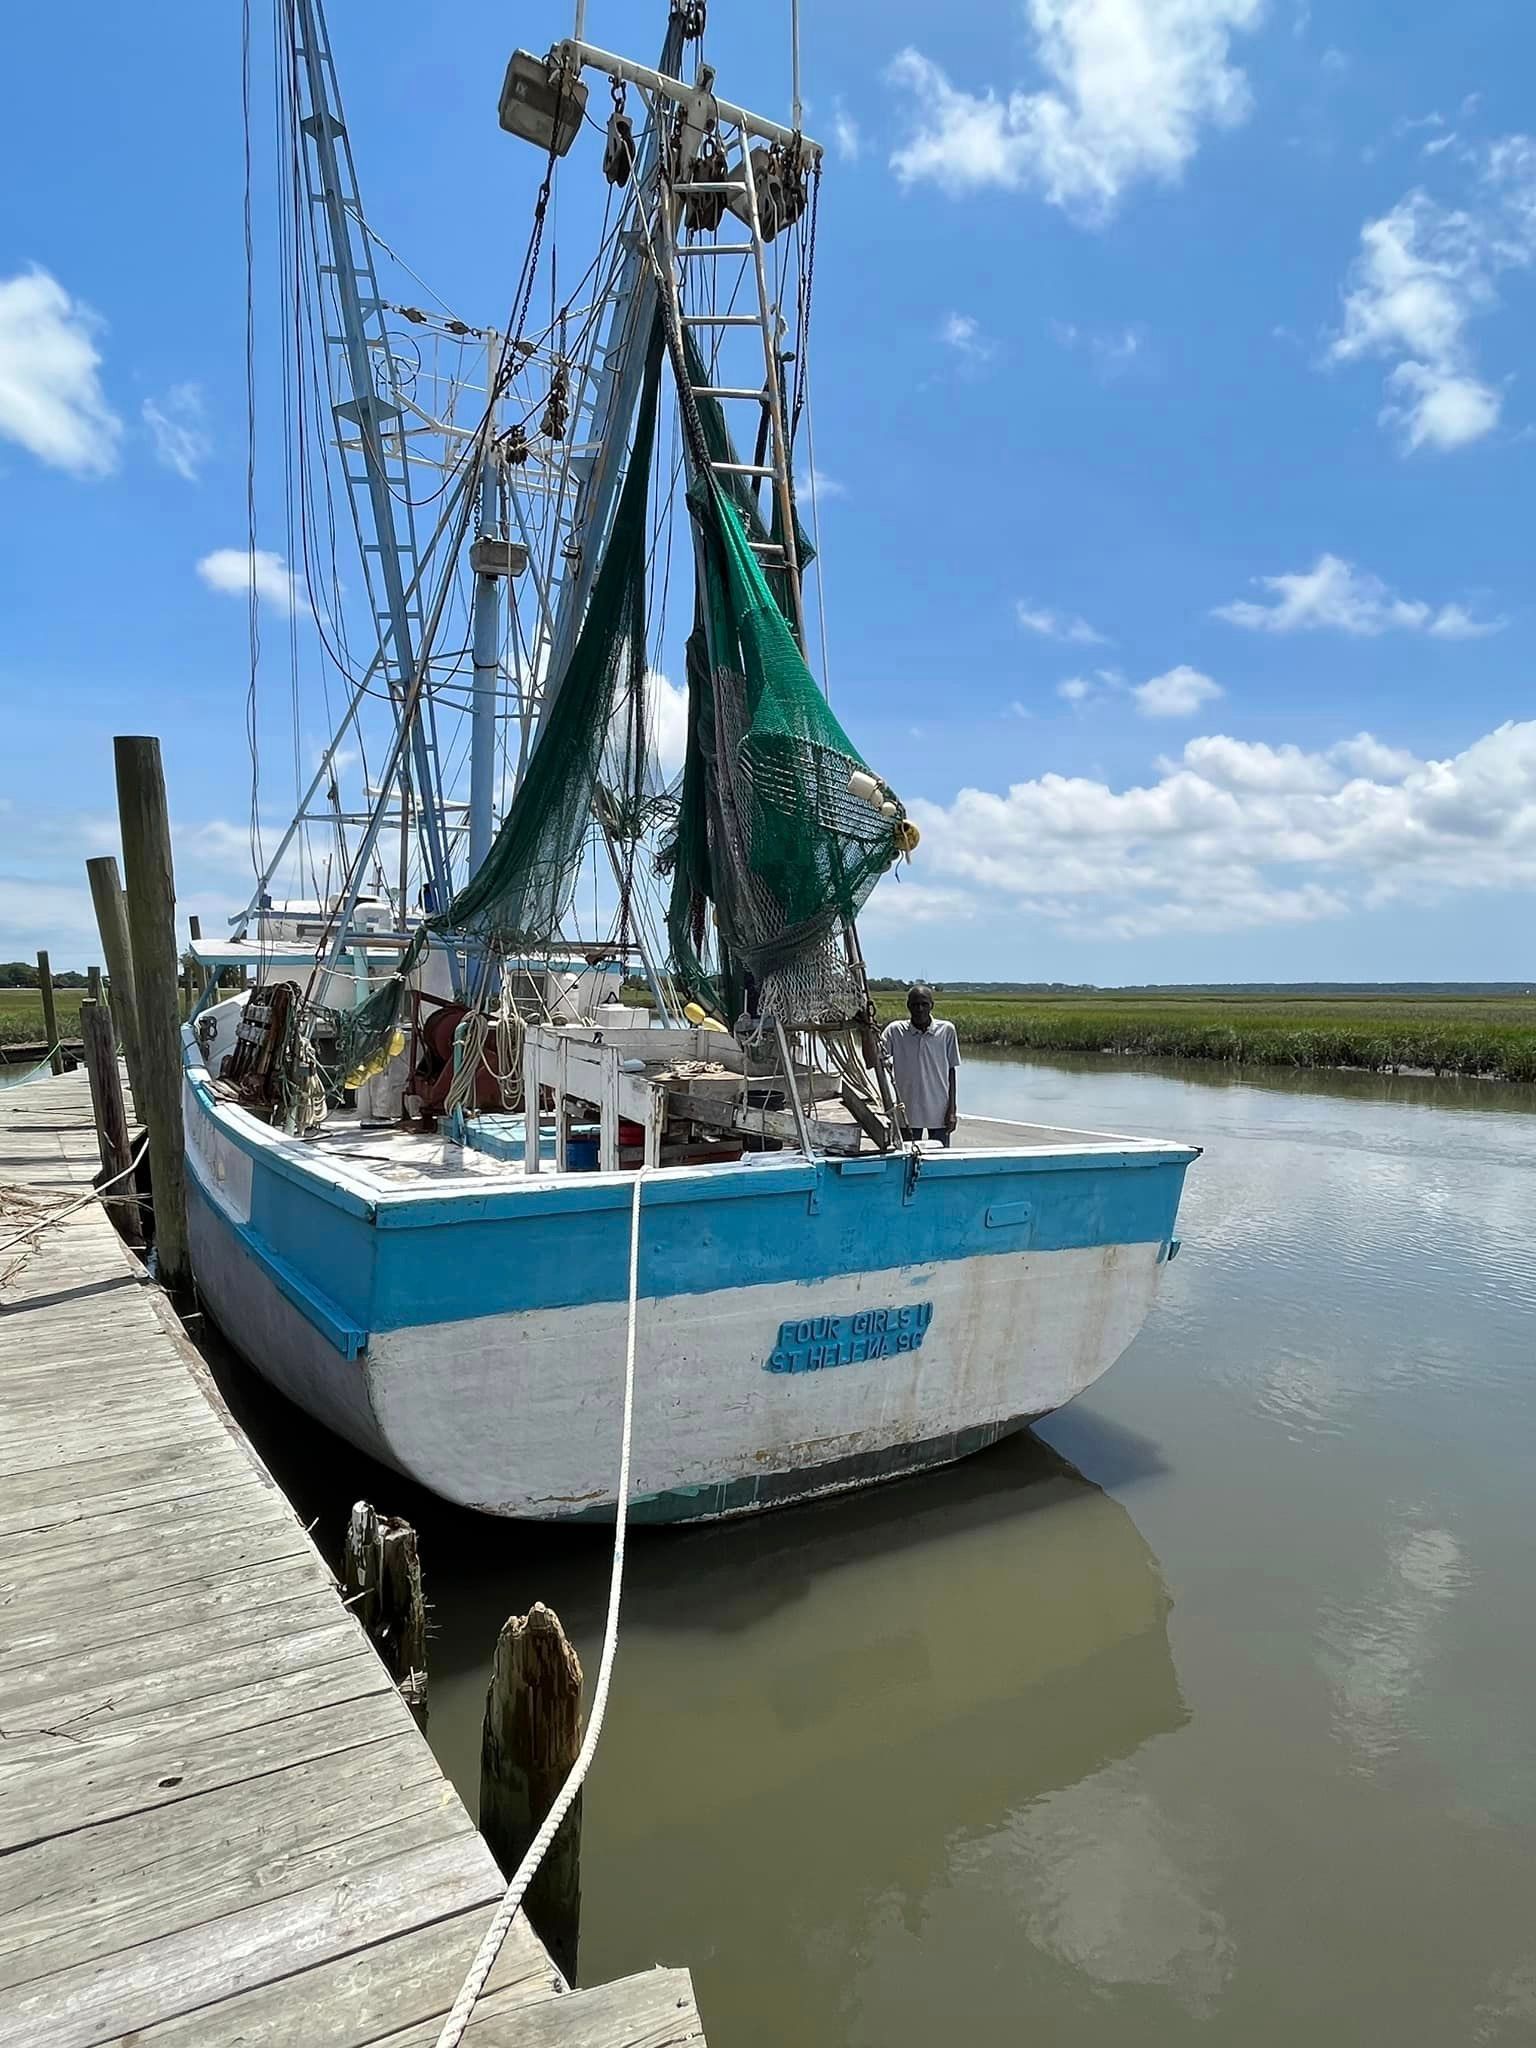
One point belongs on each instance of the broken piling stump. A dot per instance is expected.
(381, 1574)
(530, 1740)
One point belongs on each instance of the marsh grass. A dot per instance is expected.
(1493, 1036)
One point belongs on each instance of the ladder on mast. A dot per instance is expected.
(781, 555)
(701, 108)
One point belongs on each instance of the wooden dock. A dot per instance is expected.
(219, 1824)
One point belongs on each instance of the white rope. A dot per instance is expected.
(522, 1877)
(58, 1215)
(473, 1040)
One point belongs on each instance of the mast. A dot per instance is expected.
(485, 638)
(380, 493)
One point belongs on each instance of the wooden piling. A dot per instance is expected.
(381, 1571)
(50, 1013)
(111, 1116)
(529, 1742)
(111, 908)
(200, 974)
(97, 992)
(150, 886)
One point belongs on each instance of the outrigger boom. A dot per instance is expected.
(698, 99)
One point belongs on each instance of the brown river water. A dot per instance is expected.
(1208, 1711)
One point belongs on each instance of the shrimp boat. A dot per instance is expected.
(414, 1128)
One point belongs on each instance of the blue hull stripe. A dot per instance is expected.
(328, 1317)
(406, 1261)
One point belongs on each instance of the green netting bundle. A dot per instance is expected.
(368, 1037)
(770, 830)
(524, 887)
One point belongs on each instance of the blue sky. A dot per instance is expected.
(1168, 377)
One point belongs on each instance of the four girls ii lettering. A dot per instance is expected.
(815, 1343)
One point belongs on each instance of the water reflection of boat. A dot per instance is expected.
(817, 1714)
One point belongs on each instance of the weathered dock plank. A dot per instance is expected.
(654, 2009)
(364, 1998)
(191, 1863)
(219, 1824)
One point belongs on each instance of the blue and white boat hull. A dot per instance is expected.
(804, 1326)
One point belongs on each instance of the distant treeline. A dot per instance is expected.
(23, 974)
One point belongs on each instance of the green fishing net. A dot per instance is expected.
(522, 892)
(772, 846)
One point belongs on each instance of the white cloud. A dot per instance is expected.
(845, 133)
(1112, 349)
(1424, 273)
(824, 486)
(1435, 407)
(1057, 625)
(1366, 755)
(667, 709)
(1115, 352)
(1407, 123)
(222, 846)
(181, 440)
(1131, 84)
(1252, 764)
(962, 332)
(1236, 833)
(1334, 595)
(57, 916)
(1454, 622)
(1178, 694)
(233, 570)
(905, 902)
(51, 400)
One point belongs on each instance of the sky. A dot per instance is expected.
(1170, 402)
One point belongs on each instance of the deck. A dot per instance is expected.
(218, 1822)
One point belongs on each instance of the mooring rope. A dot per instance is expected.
(21, 1080)
(523, 1876)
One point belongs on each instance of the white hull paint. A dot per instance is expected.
(539, 1394)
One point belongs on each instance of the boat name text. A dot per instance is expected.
(816, 1343)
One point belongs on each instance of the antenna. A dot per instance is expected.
(794, 59)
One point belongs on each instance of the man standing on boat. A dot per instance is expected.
(925, 1055)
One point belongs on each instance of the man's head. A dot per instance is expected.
(920, 1004)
